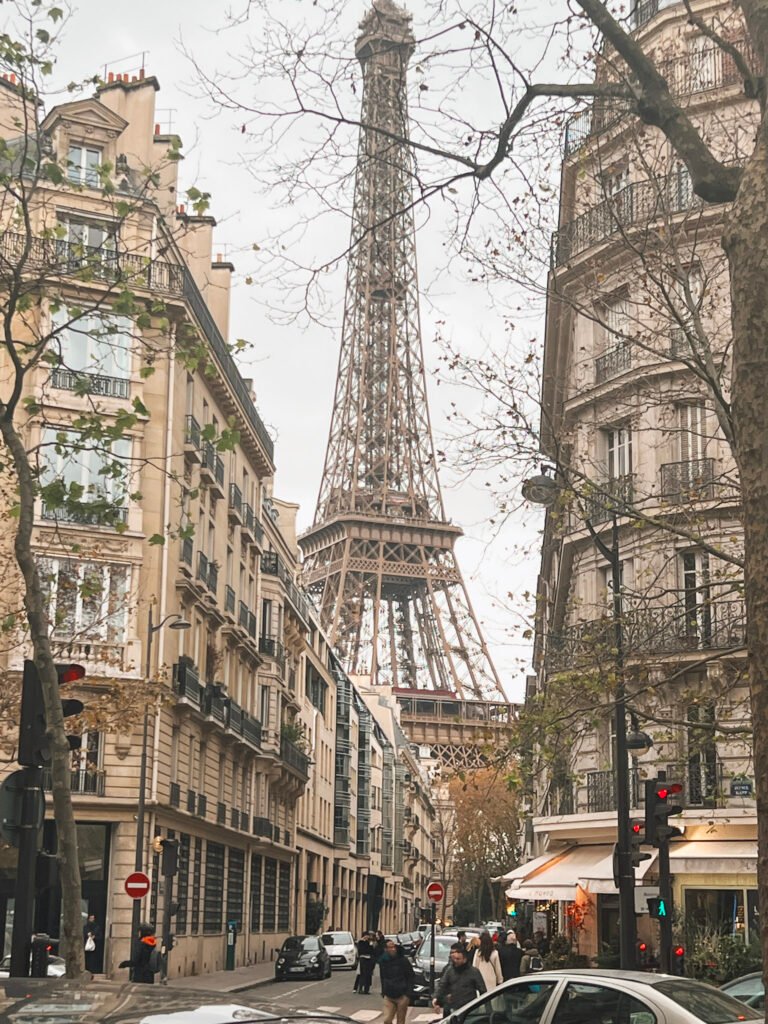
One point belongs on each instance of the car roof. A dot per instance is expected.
(611, 975)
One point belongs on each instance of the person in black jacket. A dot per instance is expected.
(459, 983)
(365, 953)
(143, 947)
(510, 955)
(396, 983)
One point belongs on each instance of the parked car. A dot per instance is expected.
(409, 942)
(341, 949)
(56, 966)
(302, 955)
(597, 996)
(749, 989)
(61, 1000)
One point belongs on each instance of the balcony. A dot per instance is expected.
(655, 629)
(93, 263)
(702, 779)
(252, 625)
(207, 572)
(221, 813)
(235, 508)
(273, 565)
(96, 513)
(186, 683)
(174, 797)
(263, 827)
(608, 498)
(637, 205)
(212, 470)
(294, 758)
(85, 781)
(221, 350)
(687, 75)
(91, 384)
(273, 649)
(202, 805)
(692, 480)
(185, 558)
(191, 439)
(613, 363)
(601, 791)
(214, 704)
(191, 801)
(229, 600)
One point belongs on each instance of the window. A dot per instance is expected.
(704, 59)
(98, 345)
(583, 1003)
(283, 896)
(236, 887)
(706, 1004)
(196, 878)
(88, 479)
(605, 581)
(83, 164)
(270, 894)
(87, 600)
(691, 419)
(701, 789)
(618, 452)
(697, 597)
(524, 1002)
(255, 893)
(614, 181)
(214, 888)
(182, 883)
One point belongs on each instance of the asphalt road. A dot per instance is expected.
(335, 995)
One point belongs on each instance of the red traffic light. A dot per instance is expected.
(642, 946)
(637, 827)
(679, 951)
(70, 673)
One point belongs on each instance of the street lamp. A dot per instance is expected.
(174, 621)
(543, 489)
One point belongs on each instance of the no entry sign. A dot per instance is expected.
(137, 885)
(435, 891)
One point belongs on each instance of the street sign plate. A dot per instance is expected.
(435, 891)
(137, 885)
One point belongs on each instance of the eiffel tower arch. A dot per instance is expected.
(379, 557)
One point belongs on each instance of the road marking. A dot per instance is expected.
(329, 1009)
(422, 1016)
(365, 1015)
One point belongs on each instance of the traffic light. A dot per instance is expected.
(33, 741)
(658, 908)
(642, 953)
(658, 810)
(170, 857)
(41, 950)
(636, 840)
(678, 960)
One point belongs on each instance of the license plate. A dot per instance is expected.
(296, 970)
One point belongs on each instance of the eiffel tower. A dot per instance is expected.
(380, 554)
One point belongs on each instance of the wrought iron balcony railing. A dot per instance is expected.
(692, 480)
(88, 781)
(601, 791)
(608, 497)
(99, 514)
(90, 383)
(702, 779)
(293, 757)
(615, 361)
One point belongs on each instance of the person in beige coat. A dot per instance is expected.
(486, 960)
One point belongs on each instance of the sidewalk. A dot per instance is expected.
(228, 981)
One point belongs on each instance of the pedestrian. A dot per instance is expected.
(472, 947)
(510, 955)
(378, 945)
(486, 960)
(366, 963)
(145, 956)
(92, 936)
(531, 960)
(396, 983)
(461, 939)
(541, 942)
(459, 983)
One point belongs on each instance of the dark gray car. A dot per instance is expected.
(302, 956)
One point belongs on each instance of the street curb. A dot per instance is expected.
(249, 984)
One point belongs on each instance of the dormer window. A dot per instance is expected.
(83, 164)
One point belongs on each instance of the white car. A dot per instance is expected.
(341, 948)
(56, 967)
(604, 997)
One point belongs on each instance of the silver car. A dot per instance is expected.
(57, 968)
(604, 997)
(341, 948)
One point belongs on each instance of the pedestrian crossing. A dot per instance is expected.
(369, 1016)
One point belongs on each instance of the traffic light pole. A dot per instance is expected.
(29, 829)
(665, 893)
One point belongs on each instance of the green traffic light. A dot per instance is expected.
(662, 910)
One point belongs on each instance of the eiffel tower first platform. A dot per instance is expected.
(379, 557)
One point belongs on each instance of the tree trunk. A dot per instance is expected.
(745, 244)
(61, 755)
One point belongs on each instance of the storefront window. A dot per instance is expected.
(718, 909)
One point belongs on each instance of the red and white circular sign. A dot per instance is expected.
(435, 891)
(137, 885)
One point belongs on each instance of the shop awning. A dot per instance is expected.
(715, 856)
(523, 870)
(556, 877)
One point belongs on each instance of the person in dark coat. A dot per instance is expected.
(396, 983)
(459, 983)
(92, 936)
(510, 955)
(143, 946)
(366, 962)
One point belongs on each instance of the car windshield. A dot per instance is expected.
(295, 942)
(338, 939)
(708, 1005)
(442, 946)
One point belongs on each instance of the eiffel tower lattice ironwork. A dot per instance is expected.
(380, 555)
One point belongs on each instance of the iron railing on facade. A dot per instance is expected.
(295, 758)
(601, 791)
(273, 565)
(174, 798)
(88, 781)
(636, 205)
(187, 551)
(235, 500)
(90, 383)
(229, 599)
(559, 800)
(690, 480)
(98, 514)
(614, 361)
(704, 622)
(702, 780)
(186, 683)
(272, 647)
(192, 432)
(609, 497)
(689, 74)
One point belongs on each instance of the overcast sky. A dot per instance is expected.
(294, 365)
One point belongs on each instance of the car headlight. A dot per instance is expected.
(314, 960)
(280, 961)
